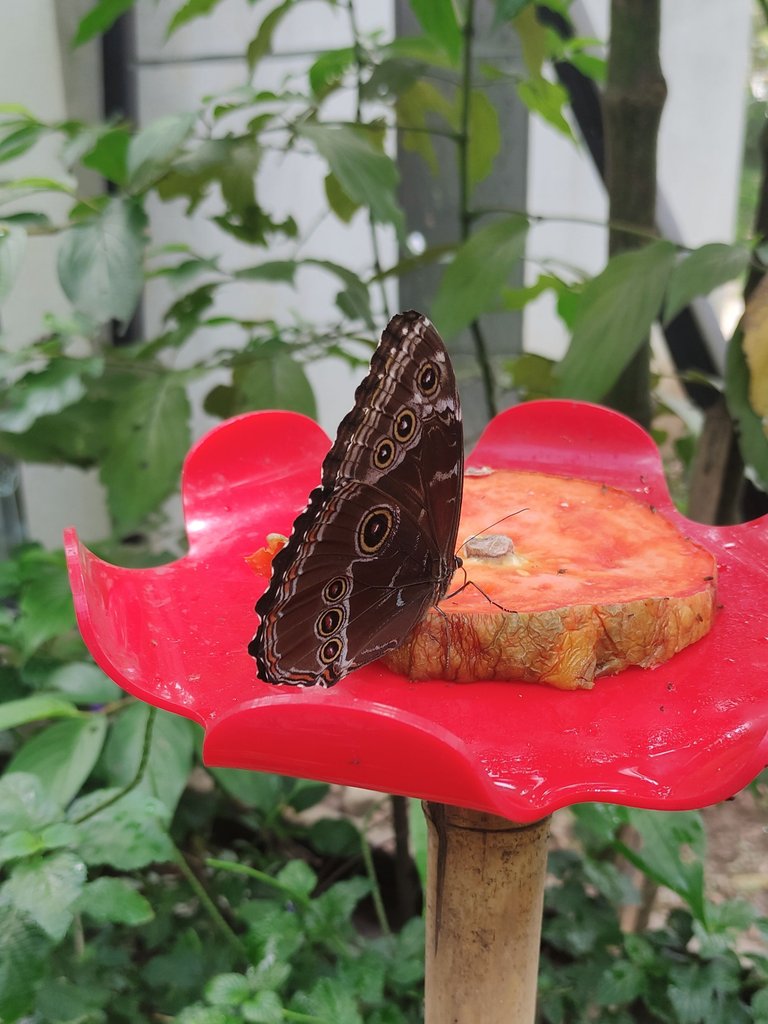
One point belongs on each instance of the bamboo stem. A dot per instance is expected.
(485, 892)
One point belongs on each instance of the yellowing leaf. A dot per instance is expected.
(755, 345)
(533, 39)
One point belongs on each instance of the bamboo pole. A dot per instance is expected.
(485, 892)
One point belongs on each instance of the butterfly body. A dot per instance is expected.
(375, 546)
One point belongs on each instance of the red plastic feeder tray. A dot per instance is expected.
(686, 734)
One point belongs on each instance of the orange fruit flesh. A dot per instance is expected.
(596, 581)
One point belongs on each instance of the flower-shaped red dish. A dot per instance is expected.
(693, 731)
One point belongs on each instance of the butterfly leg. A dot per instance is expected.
(471, 583)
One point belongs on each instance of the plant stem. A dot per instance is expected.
(209, 906)
(259, 876)
(465, 213)
(141, 769)
(378, 902)
(359, 65)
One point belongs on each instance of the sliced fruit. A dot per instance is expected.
(592, 581)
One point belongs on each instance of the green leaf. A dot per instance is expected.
(168, 762)
(484, 136)
(261, 44)
(18, 845)
(24, 960)
(115, 901)
(188, 12)
(473, 282)
(276, 928)
(354, 300)
(664, 835)
(327, 73)
(335, 838)
(24, 805)
(620, 984)
(438, 19)
(368, 176)
(508, 10)
(753, 443)
(613, 319)
(149, 434)
(152, 150)
(533, 375)
(283, 271)
(413, 106)
(197, 1014)
(263, 1008)
(227, 990)
(33, 709)
(299, 878)
(100, 262)
(193, 174)
(518, 298)
(36, 184)
(306, 793)
(127, 834)
(63, 755)
(338, 200)
(548, 100)
(109, 155)
(45, 606)
(701, 271)
(534, 39)
(261, 791)
(759, 1006)
(57, 835)
(13, 244)
(100, 17)
(329, 1000)
(19, 140)
(28, 219)
(693, 993)
(274, 380)
(60, 384)
(44, 888)
(83, 682)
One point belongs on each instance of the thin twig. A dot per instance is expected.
(136, 780)
(365, 849)
(210, 907)
(359, 66)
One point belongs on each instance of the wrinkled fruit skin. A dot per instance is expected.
(566, 647)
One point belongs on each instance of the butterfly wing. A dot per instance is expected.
(374, 547)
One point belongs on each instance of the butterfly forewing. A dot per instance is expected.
(374, 547)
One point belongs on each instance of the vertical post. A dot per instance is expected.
(485, 892)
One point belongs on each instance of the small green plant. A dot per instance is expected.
(686, 971)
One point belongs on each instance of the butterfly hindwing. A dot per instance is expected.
(374, 547)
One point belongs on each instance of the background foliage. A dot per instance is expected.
(135, 884)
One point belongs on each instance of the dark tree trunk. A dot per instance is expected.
(634, 99)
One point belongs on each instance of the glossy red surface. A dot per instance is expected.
(683, 735)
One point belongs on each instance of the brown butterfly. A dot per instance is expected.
(375, 546)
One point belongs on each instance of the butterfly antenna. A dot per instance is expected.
(485, 529)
